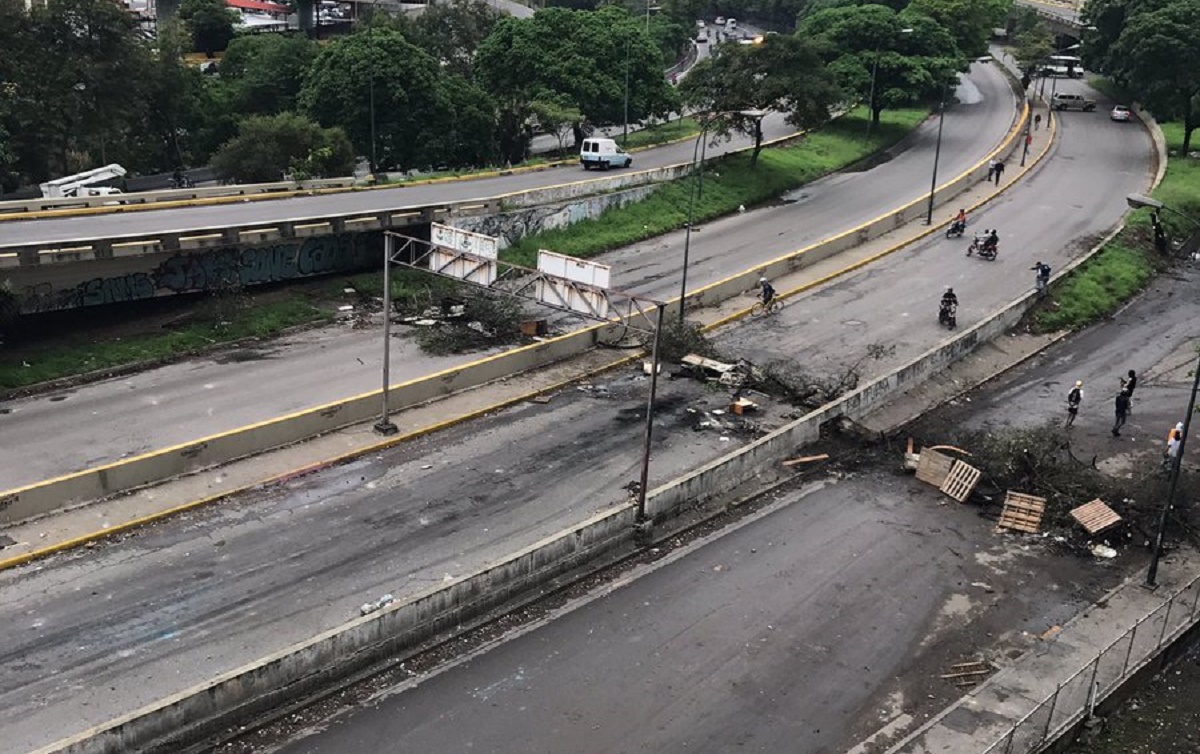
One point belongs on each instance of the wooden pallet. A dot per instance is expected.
(1022, 512)
(934, 467)
(968, 674)
(961, 481)
(1095, 516)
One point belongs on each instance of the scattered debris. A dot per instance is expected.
(742, 406)
(967, 674)
(1022, 512)
(370, 607)
(541, 398)
(1051, 632)
(534, 328)
(806, 459)
(934, 467)
(1103, 551)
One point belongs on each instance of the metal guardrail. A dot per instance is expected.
(1077, 696)
(170, 195)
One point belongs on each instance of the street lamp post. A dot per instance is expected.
(385, 426)
(1137, 201)
(874, 74)
(937, 153)
(625, 137)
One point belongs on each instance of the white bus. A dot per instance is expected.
(1063, 65)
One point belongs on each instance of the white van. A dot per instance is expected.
(731, 24)
(603, 154)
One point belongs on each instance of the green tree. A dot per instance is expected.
(264, 72)
(210, 22)
(556, 117)
(79, 71)
(180, 105)
(782, 74)
(452, 31)
(1157, 55)
(970, 21)
(874, 58)
(377, 82)
(269, 146)
(1031, 48)
(581, 58)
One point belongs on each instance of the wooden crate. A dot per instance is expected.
(1095, 516)
(961, 481)
(1022, 512)
(934, 467)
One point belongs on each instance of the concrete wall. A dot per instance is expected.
(302, 668)
(512, 226)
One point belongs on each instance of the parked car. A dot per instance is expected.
(720, 21)
(603, 154)
(1121, 113)
(1065, 101)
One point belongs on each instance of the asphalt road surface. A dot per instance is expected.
(784, 635)
(106, 421)
(100, 632)
(1064, 207)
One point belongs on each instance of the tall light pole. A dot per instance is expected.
(625, 137)
(1135, 201)
(874, 75)
(937, 153)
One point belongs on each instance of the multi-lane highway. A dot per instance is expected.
(109, 420)
(97, 633)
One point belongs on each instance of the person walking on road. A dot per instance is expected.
(1074, 398)
(999, 170)
(1128, 384)
(1122, 408)
(1037, 121)
(991, 170)
(1174, 441)
(1041, 278)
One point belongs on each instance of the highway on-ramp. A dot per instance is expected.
(97, 633)
(103, 422)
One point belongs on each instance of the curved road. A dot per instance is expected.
(96, 633)
(106, 421)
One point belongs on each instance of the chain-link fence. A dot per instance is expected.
(1076, 697)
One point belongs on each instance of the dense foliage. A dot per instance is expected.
(82, 85)
(1152, 49)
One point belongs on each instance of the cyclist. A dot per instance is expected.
(768, 292)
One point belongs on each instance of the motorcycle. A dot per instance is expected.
(981, 248)
(948, 315)
(956, 229)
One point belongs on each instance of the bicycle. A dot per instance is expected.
(761, 310)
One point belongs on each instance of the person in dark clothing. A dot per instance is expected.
(1128, 384)
(1074, 398)
(999, 170)
(1122, 409)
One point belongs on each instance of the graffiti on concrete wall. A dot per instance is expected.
(189, 272)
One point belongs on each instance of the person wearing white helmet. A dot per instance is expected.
(1074, 398)
(768, 291)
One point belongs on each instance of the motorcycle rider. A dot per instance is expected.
(960, 222)
(948, 305)
(992, 242)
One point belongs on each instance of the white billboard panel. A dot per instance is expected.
(468, 268)
(464, 241)
(562, 293)
(578, 270)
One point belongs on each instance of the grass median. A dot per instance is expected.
(729, 182)
(1129, 261)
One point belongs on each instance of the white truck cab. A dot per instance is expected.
(603, 154)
